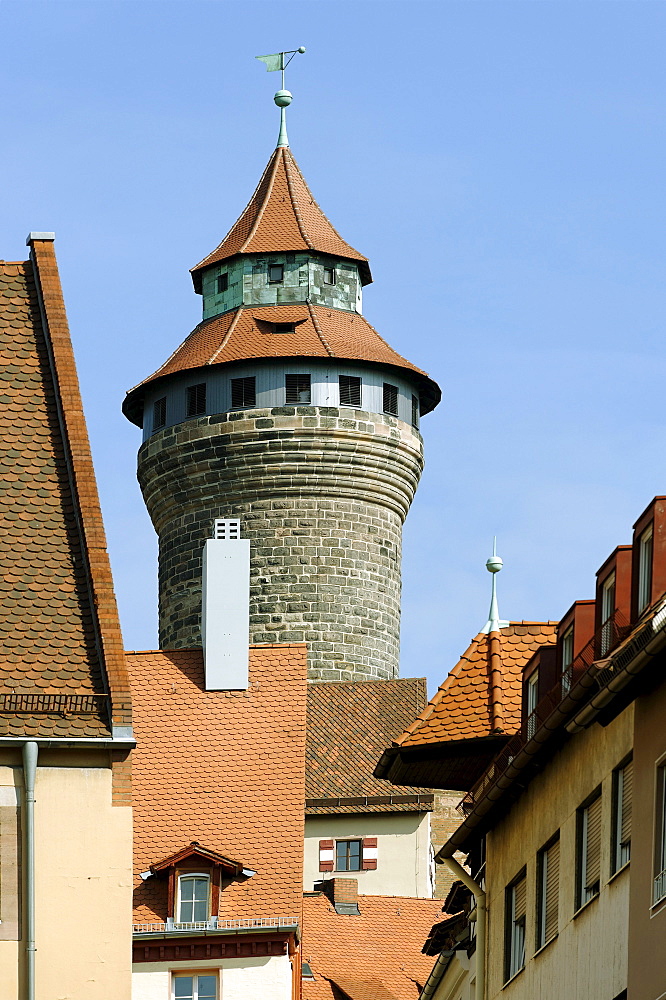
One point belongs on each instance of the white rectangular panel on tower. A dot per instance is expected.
(225, 613)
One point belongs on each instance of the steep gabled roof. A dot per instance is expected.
(195, 850)
(376, 954)
(282, 216)
(62, 669)
(340, 758)
(451, 741)
(225, 768)
(247, 334)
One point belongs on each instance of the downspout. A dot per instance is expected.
(481, 921)
(30, 751)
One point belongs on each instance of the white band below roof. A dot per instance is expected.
(39, 236)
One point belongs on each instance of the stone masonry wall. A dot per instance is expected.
(322, 494)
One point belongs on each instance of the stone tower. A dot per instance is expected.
(286, 409)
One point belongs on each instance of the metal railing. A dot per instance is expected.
(659, 889)
(216, 923)
(614, 630)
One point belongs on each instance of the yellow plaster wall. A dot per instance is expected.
(83, 883)
(589, 956)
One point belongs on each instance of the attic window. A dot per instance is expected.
(644, 569)
(193, 898)
(284, 328)
(275, 273)
(329, 275)
(297, 389)
(391, 399)
(159, 413)
(222, 282)
(196, 399)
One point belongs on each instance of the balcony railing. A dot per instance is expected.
(613, 631)
(659, 890)
(215, 923)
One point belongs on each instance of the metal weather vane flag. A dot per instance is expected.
(278, 62)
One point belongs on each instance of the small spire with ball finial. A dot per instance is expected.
(283, 98)
(494, 565)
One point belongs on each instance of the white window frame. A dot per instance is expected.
(532, 702)
(567, 659)
(185, 876)
(194, 975)
(620, 853)
(645, 568)
(516, 932)
(659, 884)
(607, 611)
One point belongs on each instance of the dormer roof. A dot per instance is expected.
(195, 852)
(282, 216)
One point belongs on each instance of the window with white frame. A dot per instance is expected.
(607, 610)
(195, 986)
(567, 660)
(548, 891)
(532, 693)
(516, 910)
(623, 780)
(644, 569)
(193, 898)
(588, 882)
(659, 888)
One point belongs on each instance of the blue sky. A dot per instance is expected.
(502, 166)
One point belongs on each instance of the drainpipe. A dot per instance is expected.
(481, 920)
(30, 751)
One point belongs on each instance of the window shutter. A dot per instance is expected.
(627, 789)
(297, 388)
(552, 861)
(519, 900)
(350, 390)
(196, 399)
(593, 848)
(369, 861)
(325, 855)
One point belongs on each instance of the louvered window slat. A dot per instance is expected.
(350, 390)
(196, 399)
(243, 392)
(520, 899)
(592, 849)
(297, 388)
(551, 891)
(627, 796)
(390, 399)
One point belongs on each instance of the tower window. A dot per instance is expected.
(284, 328)
(196, 399)
(297, 389)
(416, 411)
(275, 273)
(159, 413)
(243, 392)
(350, 390)
(329, 275)
(222, 282)
(391, 399)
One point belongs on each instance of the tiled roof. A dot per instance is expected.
(340, 759)
(224, 768)
(59, 630)
(374, 956)
(245, 334)
(460, 709)
(282, 216)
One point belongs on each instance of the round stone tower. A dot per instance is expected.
(286, 409)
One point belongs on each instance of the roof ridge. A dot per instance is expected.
(262, 208)
(294, 204)
(227, 336)
(318, 330)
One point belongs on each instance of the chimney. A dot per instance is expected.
(343, 893)
(225, 611)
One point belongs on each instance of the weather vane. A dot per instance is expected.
(283, 98)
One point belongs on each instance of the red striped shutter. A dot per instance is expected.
(369, 861)
(326, 856)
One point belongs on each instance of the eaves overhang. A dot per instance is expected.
(606, 681)
(454, 764)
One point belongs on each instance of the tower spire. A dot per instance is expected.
(278, 61)
(494, 565)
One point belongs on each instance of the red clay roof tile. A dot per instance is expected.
(282, 216)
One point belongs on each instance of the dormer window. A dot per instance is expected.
(329, 275)
(607, 611)
(284, 328)
(532, 702)
(644, 569)
(193, 898)
(275, 274)
(222, 282)
(567, 660)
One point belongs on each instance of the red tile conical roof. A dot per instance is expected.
(282, 216)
